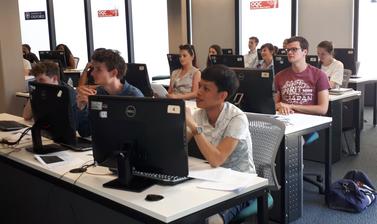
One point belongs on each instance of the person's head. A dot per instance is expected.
(46, 72)
(26, 49)
(297, 49)
(285, 43)
(107, 66)
(187, 55)
(213, 50)
(253, 43)
(325, 51)
(267, 51)
(218, 83)
(67, 51)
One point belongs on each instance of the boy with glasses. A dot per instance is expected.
(301, 88)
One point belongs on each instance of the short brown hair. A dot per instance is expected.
(49, 68)
(327, 45)
(112, 60)
(255, 39)
(304, 44)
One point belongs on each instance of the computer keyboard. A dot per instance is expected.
(162, 178)
(81, 145)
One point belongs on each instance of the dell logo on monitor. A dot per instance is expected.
(130, 111)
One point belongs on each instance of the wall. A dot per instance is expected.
(326, 20)
(11, 65)
(177, 22)
(213, 22)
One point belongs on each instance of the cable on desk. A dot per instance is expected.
(6, 142)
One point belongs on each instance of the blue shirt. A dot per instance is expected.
(84, 127)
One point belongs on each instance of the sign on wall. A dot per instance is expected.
(267, 4)
(108, 13)
(35, 15)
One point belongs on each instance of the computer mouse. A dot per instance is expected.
(153, 197)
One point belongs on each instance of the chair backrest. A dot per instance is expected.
(266, 135)
(346, 77)
(76, 59)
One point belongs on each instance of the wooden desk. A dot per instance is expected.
(53, 195)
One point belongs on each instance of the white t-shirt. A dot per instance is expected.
(232, 122)
(27, 64)
(334, 71)
(251, 59)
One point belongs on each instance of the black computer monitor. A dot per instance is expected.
(137, 75)
(52, 112)
(347, 57)
(56, 56)
(144, 135)
(313, 60)
(280, 63)
(235, 61)
(227, 51)
(174, 63)
(282, 51)
(255, 92)
(259, 54)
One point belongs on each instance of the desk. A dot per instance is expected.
(55, 196)
(359, 84)
(164, 82)
(288, 202)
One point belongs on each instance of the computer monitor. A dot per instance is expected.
(52, 112)
(313, 60)
(227, 51)
(280, 63)
(235, 61)
(282, 51)
(137, 75)
(174, 63)
(139, 135)
(255, 92)
(347, 57)
(56, 56)
(259, 54)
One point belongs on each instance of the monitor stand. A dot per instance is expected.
(126, 180)
(38, 147)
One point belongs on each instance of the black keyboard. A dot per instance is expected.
(81, 145)
(162, 178)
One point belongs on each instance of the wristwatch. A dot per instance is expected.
(198, 130)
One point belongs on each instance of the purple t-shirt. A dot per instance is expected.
(301, 88)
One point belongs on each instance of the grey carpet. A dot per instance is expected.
(315, 210)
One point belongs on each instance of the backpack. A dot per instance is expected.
(353, 193)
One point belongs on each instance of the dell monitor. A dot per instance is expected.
(141, 137)
(227, 51)
(255, 93)
(137, 75)
(313, 60)
(56, 56)
(53, 113)
(235, 61)
(174, 63)
(347, 57)
(280, 63)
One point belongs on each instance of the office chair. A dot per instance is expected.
(76, 59)
(266, 134)
(346, 77)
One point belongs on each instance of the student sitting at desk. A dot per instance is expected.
(251, 58)
(332, 67)
(69, 59)
(213, 50)
(48, 72)
(28, 55)
(220, 129)
(108, 70)
(267, 52)
(301, 88)
(184, 81)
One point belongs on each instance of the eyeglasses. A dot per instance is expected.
(293, 49)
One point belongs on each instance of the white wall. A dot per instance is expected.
(326, 20)
(213, 22)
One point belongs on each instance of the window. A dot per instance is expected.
(34, 32)
(269, 20)
(109, 25)
(150, 32)
(70, 27)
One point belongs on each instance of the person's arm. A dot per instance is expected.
(27, 113)
(319, 109)
(84, 75)
(194, 89)
(215, 155)
(336, 77)
(71, 62)
(281, 107)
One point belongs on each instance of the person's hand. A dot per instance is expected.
(284, 108)
(171, 96)
(88, 66)
(83, 92)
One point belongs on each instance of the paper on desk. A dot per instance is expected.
(159, 90)
(66, 159)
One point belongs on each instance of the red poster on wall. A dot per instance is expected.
(266, 4)
(108, 13)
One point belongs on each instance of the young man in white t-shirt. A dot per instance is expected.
(220, 129)
(251, 58)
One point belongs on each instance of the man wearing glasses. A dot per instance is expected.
(301, 88)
